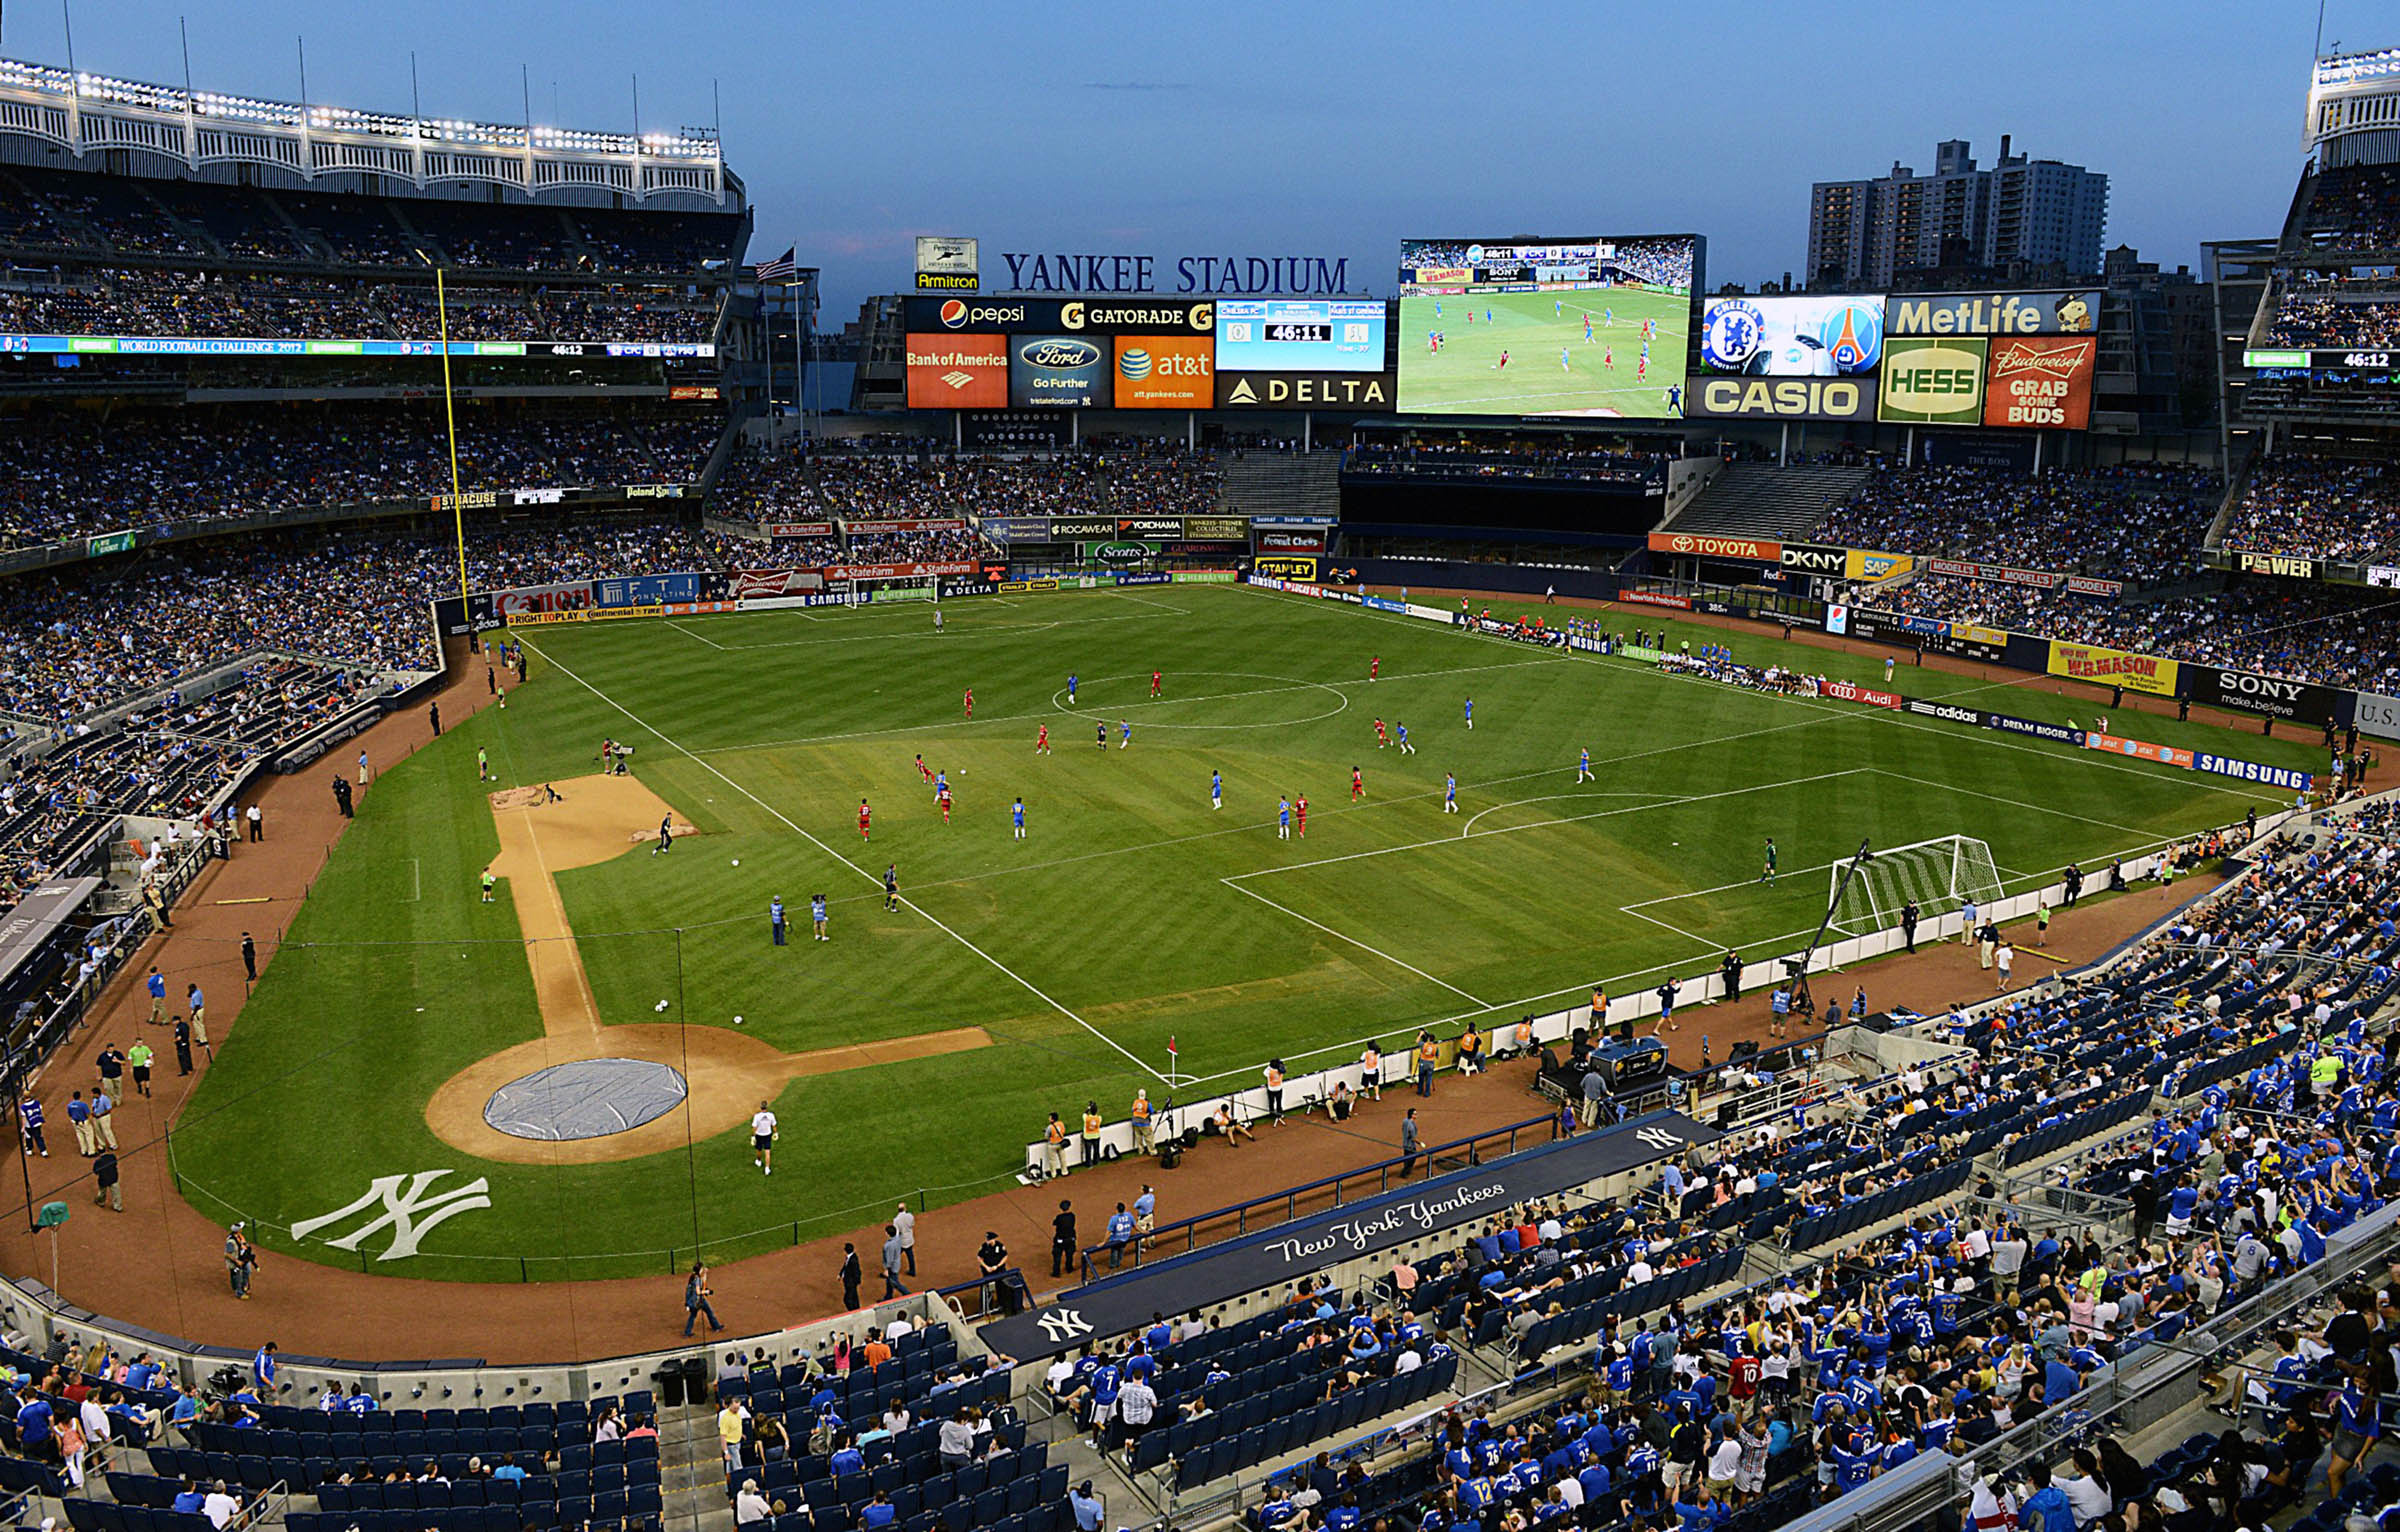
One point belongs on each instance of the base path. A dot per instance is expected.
(552, 829)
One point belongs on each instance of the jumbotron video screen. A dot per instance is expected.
(1587, 326)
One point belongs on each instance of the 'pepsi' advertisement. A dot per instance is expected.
(1057, 371)
(1818, 336)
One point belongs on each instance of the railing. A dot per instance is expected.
(1189, 1234)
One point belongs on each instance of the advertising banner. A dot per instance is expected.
(1146, 577)
(1814, 558)
(2086, 585)
(1817, 336)
(1655, 598)
(1300, 334)
(2290, 566)
(1851, 691)
(1771, 398)
(2384, 576)
(1118, 552)
(1948, 712)
(951, 589)
(1274, 1257)
(798, 529)
(1165, 372)
(2113, 667)
(957, 372)
(2076, 312)
(529, 600)
(2034, 728)
(1696, 545)
(2042, 382)
(1066, 529)
(1217, 529)
(1150, 526)
(584, 614)
(760, 584)
(2253, 771)
(924, 571)
(2376, 713)
(2275, 696)
(904, 524)
(1837, 618)
(645, 590)
(1866, 566)
(1056, 371)
(1014, 430)
(1290, 542)
(1285, 568)
(947, 263)
(2003, 574)
(2138, 749)
(1371, 391)
(1933, 382)
(1131, 315)
(1017, 529)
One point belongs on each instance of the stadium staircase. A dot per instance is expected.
(1763, 500)
(691, 1468)
(1282, 484)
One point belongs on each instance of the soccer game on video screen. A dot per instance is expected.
(1589, 326)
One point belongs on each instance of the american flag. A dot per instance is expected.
(781, 269)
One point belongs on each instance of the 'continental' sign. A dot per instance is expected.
(1933, 382)
(1693, 545)
(2113, 667)
(1746, 398)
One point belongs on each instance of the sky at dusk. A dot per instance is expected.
(1329, 129)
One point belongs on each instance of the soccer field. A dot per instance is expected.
(1599, 376)
(1035, 974)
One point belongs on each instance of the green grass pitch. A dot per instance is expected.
(1132, 911)
(1464, 377)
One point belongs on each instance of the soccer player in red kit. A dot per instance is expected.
(1154, 683)
(1041, 745)
(943, 798)
(863, 814)
(1300, 807)
(924, 770)
(970, 702)
(1374, 666)
(1358, 784)
(1381, 739)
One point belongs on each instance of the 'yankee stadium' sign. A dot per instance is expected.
(1078, 271)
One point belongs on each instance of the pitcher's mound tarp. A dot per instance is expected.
(585, 1098)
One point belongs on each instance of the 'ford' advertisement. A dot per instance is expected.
(1052, 371)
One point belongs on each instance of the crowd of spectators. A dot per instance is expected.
(2354, 206)
(878, 482)
(2249, 1011)
(2139, 523)
(2327, 508)
(288, 305)
(86, 212)
(2321, 322)
(71, 474)
(2320, 634)
(93, 635)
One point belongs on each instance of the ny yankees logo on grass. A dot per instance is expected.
(412, 1214)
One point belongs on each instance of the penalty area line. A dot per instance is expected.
(1353, 941)
(786, 820)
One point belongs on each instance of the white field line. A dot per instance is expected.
(688, 633)
(1352, 940)
(1117, 709)
(1984, 737)
(1027, 984)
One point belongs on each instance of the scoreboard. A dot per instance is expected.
(1300, 335)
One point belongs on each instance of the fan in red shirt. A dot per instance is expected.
(1743, 1372)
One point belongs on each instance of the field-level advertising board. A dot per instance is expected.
(1940, 876)
(1585, 326)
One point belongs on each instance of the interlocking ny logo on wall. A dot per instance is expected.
(1063, 1325)
(412, 1213)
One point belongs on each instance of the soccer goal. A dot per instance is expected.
(1940, 875)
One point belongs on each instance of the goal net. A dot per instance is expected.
(1940, 875)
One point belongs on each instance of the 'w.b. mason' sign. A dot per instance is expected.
(1289, 1251)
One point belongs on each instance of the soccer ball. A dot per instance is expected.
(662, 1005)
(737, 1021)
(737, 861)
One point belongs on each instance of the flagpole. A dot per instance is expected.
(458, 512)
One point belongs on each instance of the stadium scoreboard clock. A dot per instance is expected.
(1293, 329)
(1300, 335)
